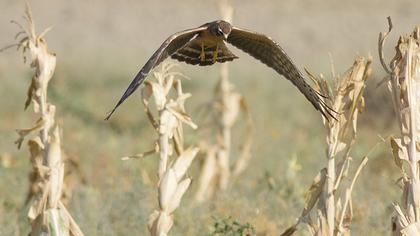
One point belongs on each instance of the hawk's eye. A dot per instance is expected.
(219, 32)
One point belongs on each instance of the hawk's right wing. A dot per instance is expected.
(270, 53)
(169, 47)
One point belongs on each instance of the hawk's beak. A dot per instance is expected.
(225, 36)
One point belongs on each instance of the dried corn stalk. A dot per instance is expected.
(325, 211)
(226, 107)
(404, 85)
(169, 126)
(47, 214)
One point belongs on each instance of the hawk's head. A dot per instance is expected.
(221, 29)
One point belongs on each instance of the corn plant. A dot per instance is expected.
(47, 214)
(171, 116)
(224, 113)
(326, 212)
(403, 84)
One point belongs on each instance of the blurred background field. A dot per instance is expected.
(100, 46)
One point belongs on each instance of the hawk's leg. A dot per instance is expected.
(216, 53)
(202, 54)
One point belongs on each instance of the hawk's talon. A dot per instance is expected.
(202, 54)
(216, 53)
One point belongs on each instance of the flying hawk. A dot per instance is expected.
(206, 45)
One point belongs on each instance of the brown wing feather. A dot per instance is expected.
(271, 54)
(168, 47)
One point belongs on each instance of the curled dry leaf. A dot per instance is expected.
(146, 92)
(168, 84)
(399, 152)
(152, 222)
(159, 96)
(168, 123)
(182, 116)
(314, 192)
(167, 188)
(25, 132)
(56, 167)
(29, 95)
(164, 224)
(208, 172)
(180, 190)
(183, 162)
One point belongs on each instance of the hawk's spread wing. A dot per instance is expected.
(169, 47)
(270, 53)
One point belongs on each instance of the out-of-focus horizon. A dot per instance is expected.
(98, 31)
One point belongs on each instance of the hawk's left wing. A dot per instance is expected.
(169, 47)
(271, 54)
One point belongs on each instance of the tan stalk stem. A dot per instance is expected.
(330, 202)
(348, 195)
(412, 151)
(163, 148)
(44, 131)
(224, 152)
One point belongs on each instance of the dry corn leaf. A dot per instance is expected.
(341, 146)
(415, 191)
(55, 223)
(183, 162)
(25, 132)
(38, 204)
(35, 152)
(56, 166)
(73, 227)
(146, 92)
(289, 231)
(176, 198)
(180, 100)
(152, 222)
(159, 96)
(178, 138)
(208, 171)
(168, 123)
(164, 224)
(314, 191)
(182, 116)
(412, 229)
(29, 94)
(169, 81)
(167, 188)
(399, 152)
